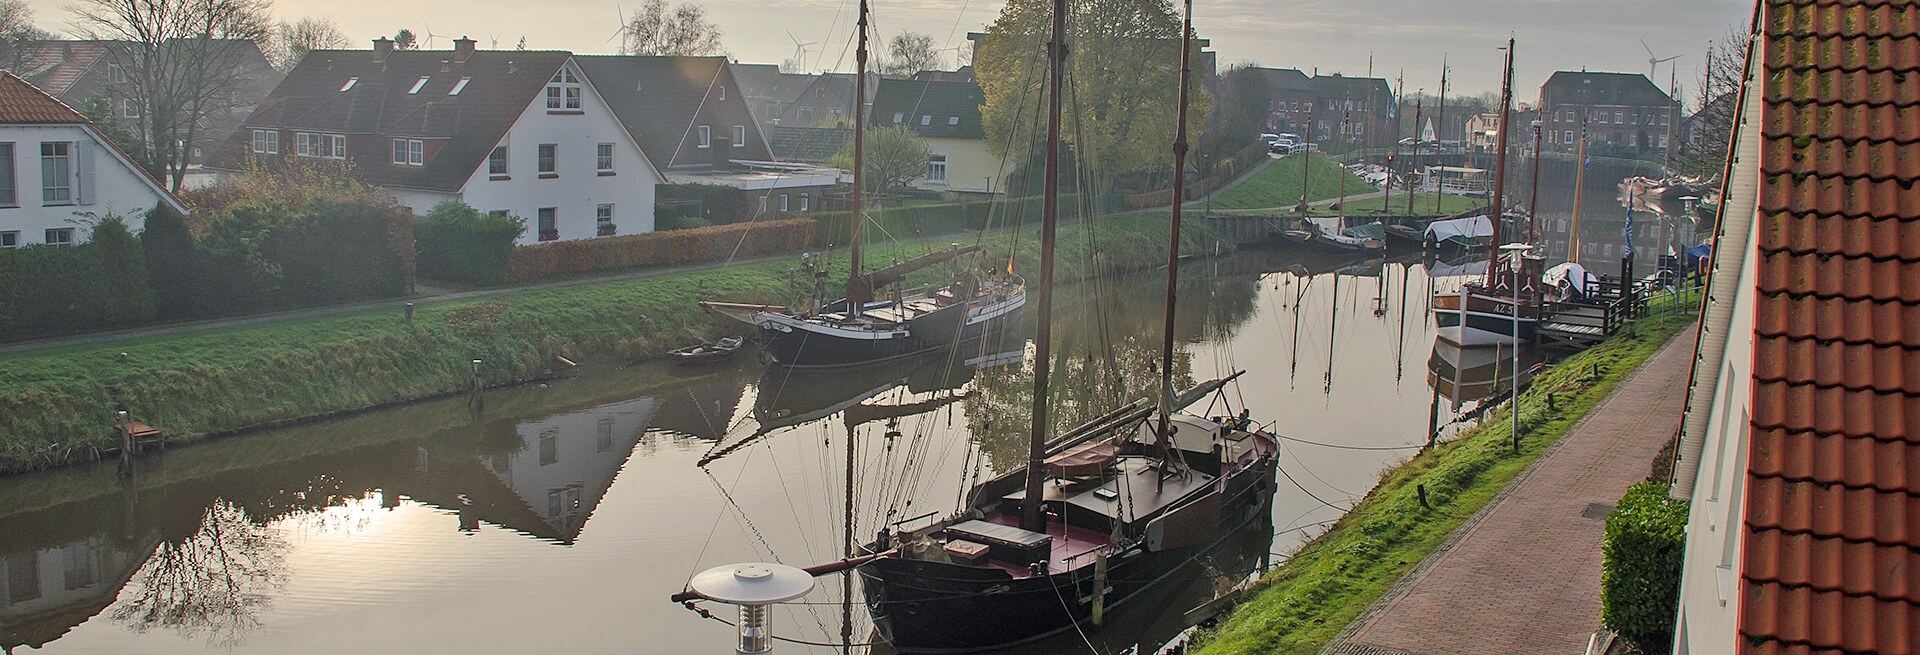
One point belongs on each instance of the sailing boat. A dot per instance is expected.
(865, 326)
(1507, 303)
(1100, 512)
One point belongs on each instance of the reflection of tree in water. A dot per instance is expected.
(1229, 303)
(1084, 384)
(212, 584)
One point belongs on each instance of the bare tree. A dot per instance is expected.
(294, 40)
(213, 584)
(181, 60)
(405, 39)
(1702, 149)
(909, 53)
(16, 29)
(681, 30)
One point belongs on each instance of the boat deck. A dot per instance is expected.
(1072, 546)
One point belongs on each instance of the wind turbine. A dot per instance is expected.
(799, 51)
(621, 31)
(430, 34)
(1654, 61)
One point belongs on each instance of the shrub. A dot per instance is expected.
(690, 246)
(1640, 578)
(66, 289)
(678, 222)
(928, 220)
(174, 265)
(715, 203)
(461, 244)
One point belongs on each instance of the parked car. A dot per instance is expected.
(1269, 138)
(1408, 142)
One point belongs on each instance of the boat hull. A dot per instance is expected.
(802, 344)
(1489, 320)
(934, 607)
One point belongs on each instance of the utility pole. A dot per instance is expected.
(1440, 130)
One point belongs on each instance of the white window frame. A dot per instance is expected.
(603, 157)
(705, 135)
(543, 217)
(116, 74)
(129, 108)
(602, 216)
(926, 119)
(739, 136)
(419, 84)
(937, 167)
(563, 91)
(266, 142)
(783, 203)
(953, 121)
(56, 187)
(806, 202)
(899, 117)
(409, 152)
(459, 86)
(9, 238)
(499, 156)
(11, 178)
(65, 233)
(348, 86)
(547, 159)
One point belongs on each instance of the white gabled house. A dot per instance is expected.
(516, 132)
(54, 166)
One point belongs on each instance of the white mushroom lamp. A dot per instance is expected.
(753, 586)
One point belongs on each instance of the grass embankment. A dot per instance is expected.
(56, 407)
(1423, 205)
(1301, 605)
(1278, 185)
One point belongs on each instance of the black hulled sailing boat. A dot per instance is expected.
(1506, 304)
(1100, 512)
(867, 325)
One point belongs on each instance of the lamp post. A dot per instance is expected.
(1207, 163)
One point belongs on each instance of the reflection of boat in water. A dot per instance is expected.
(1467, 373)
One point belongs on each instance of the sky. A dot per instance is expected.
(1331, 35)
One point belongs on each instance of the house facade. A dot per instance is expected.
(55, 167)
(523, 133)
(1329, 109)
(946, 115)
(1625, 110)
(1798, 449)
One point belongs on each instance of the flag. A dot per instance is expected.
(1627, 233)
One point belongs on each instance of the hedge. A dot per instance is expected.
(692, 246)
(1645, 545)
(928, 220)
(461, 244)
(96, 285)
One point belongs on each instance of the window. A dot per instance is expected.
(56, 173)
(706, 136)
(926, 119)
(10, 239)
(497, 162)
(603, 220)
(563, 91)
(349, 85)
(899, 117)
(79, 565)
(116, 74)
(548, 160)
(501, 213)
(1567, 137)
(783, 203)
(953, 121)
(266, 142)
(603, 158)
(739, 136)
(418, 85)
(723, 93)
(459, 86)
(1616, 116)
(23, 577)
(804, 204)
(9, 194)
(763, 207)
(329, 146)
(59, 236)
(339, 146)
(548, 230)
(409, 152)
(937, 167)
(550, 449)
(129, 108)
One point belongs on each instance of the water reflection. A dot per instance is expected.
(213, 584)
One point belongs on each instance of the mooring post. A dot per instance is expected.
(409, 313)
(1433, 420)
(1422, 490)
(475, 399)
(126, 442)
(1099, 588)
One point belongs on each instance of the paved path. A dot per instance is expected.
(1524, 575)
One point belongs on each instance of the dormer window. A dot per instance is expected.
(116, 74)
(349, 85)
(563, 91)
(460, 86)
(417, 85)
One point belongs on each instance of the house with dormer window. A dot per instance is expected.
(946, 115)
(55, 167)
(524, 133)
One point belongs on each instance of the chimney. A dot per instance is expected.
(382, 47)
(462, 49)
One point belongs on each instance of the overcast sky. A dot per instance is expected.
(1333, 35)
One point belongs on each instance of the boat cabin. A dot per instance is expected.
(1456, 180)
(1517, 271)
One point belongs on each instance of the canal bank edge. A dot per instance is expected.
(57, 405)
(1331, 581)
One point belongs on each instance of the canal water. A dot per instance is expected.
(560, 517)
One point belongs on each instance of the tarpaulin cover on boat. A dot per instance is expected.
(1368, 231)
(1576, 275)
(1463, 230)
(1085, 459)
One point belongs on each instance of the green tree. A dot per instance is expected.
(895, 159)
(173, 264)
(99, 109)
(1239, 116)
(1122, 83)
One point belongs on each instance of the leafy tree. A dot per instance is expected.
(679, 31)
(1121, 84)
(896, 157)
(294, 40)
(909, 53)
(405, 39)
(182, 58)
(457, 242)
(1238, 117)
(173, 264)
(100, 110)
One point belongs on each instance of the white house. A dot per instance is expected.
(1800, 448)
(524, 133)
(55, 168)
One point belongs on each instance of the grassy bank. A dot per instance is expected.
(56, 406)
(1279, 184)
(1301, 605)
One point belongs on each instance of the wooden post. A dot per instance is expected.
(1099, 588)
(1433, 420)
(475, 400)
(1422, 489)
(126, 442)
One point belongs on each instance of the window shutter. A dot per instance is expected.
(83, 172)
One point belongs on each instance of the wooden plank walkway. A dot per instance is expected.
(1524, 575)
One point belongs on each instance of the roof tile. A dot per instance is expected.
(1836, 235)
(1807, 317)
(22, 102)
(1855, 568)
(1882, 465)
(1837, 363)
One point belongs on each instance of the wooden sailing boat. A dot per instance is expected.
(1505, 305)
(1100, 512)
(865, 326)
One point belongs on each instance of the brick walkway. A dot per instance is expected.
(1524, 576)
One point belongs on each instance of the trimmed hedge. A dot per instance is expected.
(691, 246)
(96, 285)
(927, 220)
(461, 244)
(1645, 545)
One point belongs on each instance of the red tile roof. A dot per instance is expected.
(1831, 561)
(22, 102)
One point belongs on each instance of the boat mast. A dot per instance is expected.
(1413, 165)
(1579, 185)
(1440, 136)
(859, 291)
(1162, 437)
(1500, 171)
(1533, 189)
(1030, 516)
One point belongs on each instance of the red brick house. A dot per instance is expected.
(1625, 110)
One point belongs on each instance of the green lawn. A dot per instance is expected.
(1278, 185)
(1301, 605)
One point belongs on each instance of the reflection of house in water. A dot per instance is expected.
(46, 591)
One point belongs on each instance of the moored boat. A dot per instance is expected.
(707, 353)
